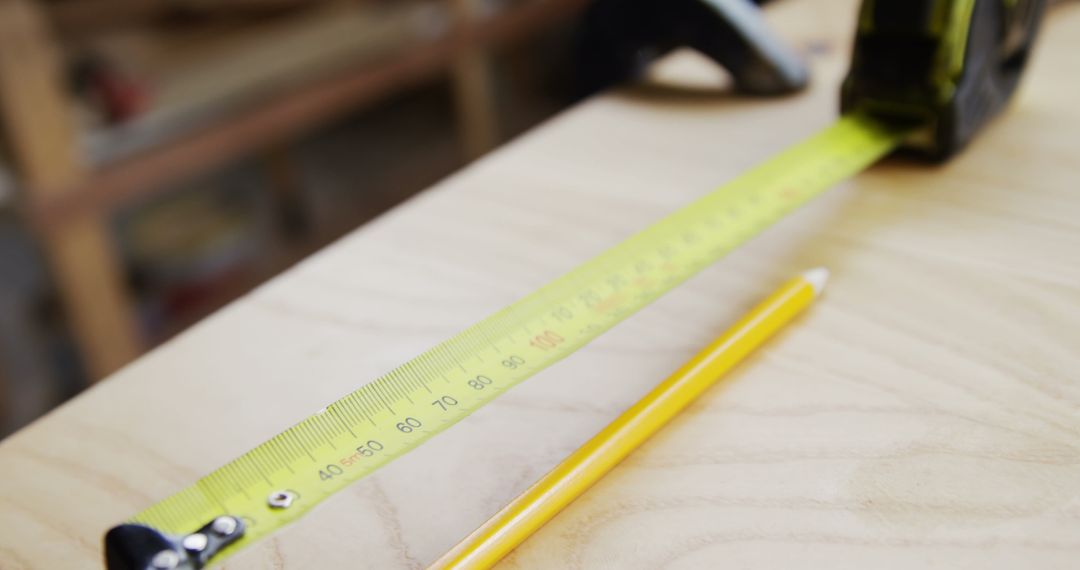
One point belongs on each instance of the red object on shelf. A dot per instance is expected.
(120, 95)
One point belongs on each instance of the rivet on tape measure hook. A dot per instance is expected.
(926, 74)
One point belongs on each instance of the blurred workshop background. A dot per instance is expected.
(160, 158)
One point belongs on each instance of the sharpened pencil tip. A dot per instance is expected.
(817, 277)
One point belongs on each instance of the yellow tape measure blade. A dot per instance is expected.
(285, 476)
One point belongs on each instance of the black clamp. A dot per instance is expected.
(620, 37)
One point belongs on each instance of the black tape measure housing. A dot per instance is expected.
(903, 58)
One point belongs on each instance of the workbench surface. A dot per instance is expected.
(925, 413)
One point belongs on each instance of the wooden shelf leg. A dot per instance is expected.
(89, 280)
(37, 117)
(474, 89)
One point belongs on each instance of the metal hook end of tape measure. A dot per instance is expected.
(139, 547)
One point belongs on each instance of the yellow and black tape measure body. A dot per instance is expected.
(287, 475)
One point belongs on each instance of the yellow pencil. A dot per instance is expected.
(539, 503)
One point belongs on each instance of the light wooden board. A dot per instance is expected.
(924, 414)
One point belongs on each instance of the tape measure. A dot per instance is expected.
(284, 477)
(287, 475)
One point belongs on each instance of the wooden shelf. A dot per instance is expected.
(69, 198)
(196, 74)
(292, 113)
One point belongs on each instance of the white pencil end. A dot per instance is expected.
(817, 277)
